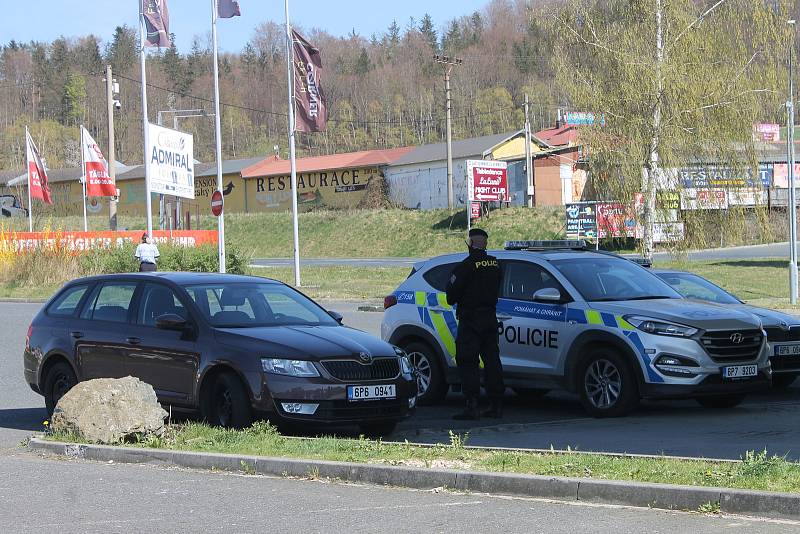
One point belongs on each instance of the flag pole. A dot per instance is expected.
(290, 80)
(28, 170)
(83, 182)
(218, 135)
(145, 123)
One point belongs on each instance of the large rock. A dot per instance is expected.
(109, 410)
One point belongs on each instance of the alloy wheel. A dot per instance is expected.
(603, 383)
(224, 407)
(422, 366)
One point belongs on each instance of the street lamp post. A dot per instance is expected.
(790, 163)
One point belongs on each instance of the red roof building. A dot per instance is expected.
(275, 166)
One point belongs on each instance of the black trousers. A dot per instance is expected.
(146, 267)
(477, 338)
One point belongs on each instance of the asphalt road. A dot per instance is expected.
(772, 250)
(43, 495)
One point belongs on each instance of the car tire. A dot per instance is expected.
(377, 430)
(721, 401)
(783, 381)
(531, 394)
(227, 404)
(59, 379)
(607, 383)
(431, 385)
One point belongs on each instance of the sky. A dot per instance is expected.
(46, 20)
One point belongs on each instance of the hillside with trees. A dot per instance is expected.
(384, 90)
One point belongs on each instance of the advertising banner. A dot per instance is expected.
(768, 133)
(581, 220)
(667, 232)
(156, 23)
(81, 241)
(170, 162)
(723, 177)
(37, 172)
(95, 168)
(475, 210)
(312, 109)
(668, 200)
(748, 197)
(781, 175)
(615, 220)
(487, 180)
(704, 199)
(583, 118)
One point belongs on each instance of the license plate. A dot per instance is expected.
(367, 393)
(787, 350)
(740, 371)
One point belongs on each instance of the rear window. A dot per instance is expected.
(67, 302)
(438, 276)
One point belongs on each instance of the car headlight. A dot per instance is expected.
(405, 364)
(279, 366)
(660, 327)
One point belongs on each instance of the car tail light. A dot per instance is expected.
(28, 337)
(389, 301)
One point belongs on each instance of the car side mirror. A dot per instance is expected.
(549, 295)
(338, 317)
(171, 321)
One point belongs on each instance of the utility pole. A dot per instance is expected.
(790, 162)
(448, 63)
(528, 158)
(112, 88)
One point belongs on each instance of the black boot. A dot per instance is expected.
(495, 410)
(470, 412)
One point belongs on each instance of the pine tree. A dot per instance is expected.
(428, 31)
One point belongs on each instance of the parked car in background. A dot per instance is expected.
(783, 330)
(229, 347)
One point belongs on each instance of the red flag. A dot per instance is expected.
(156, 23)
(37, 172)
(227, 9)
(312, 109)
(95, 168)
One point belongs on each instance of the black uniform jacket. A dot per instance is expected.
(475, 284)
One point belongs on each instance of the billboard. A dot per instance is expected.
(614, 219)
(82, 241)
(583, 118)
(170, 162)
(724, 177)
(781, 175)
(768, 133)
(581, 220)
(704, 199)
(487, 180)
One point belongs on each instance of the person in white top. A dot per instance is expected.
(147, 254)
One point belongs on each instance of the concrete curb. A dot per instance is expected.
(663, 496)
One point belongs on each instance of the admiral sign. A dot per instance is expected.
(487, 181)
(170, 162)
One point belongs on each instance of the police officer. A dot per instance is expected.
(474, 288)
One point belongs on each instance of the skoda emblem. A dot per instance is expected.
(736, 338)
(365, 357)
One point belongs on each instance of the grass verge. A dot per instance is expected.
(756, 471)
(340, 282)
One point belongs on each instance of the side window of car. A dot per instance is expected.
(522, 279)
(66, 303)
(111, 302)
(157, 300)
(438, 276)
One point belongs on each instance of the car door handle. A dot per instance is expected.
(76, 334)
(504, 318)
(133, 340)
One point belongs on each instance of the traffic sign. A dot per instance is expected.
(216, 203)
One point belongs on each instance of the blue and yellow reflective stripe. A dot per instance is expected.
(444, 333)
(420, 298)
(593, 317)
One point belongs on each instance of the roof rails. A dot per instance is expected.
(570, 244)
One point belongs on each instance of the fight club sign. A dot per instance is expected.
(487, 180)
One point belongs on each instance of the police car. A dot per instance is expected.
(590, 322)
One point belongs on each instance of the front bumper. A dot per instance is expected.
(789, 364)
(712, 385)
(331, 400)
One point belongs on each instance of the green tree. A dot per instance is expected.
(428, 31)
(676, 84)
(363, 64)
(121, 53)
(74, 102)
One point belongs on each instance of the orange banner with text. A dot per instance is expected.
(81, 241)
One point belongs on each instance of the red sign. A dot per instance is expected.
(475, 210)
(81, 241)
(487, 181)
(615, 220)
(216, 203)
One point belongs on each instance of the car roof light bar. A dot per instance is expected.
(572, 244)
(644, 262)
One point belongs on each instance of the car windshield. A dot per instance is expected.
(693, 286)
(600, 279)
(253, 304)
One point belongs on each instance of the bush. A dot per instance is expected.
(173, 258)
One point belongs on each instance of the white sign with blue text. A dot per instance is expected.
(170, 162)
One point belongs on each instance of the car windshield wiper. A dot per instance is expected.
(651, 297)
(620, 299)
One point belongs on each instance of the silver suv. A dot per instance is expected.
(589, 322)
